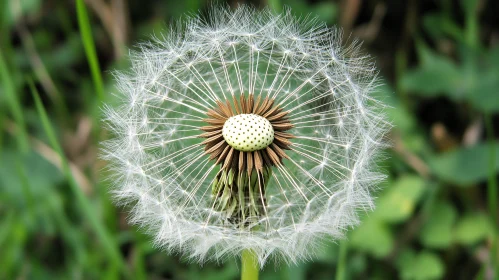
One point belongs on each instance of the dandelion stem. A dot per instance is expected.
(249, 270)
(342, 257)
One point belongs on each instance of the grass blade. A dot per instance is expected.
(88, 44)
(14, 104)
(110, 246)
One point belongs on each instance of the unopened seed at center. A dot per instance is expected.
(248, 132)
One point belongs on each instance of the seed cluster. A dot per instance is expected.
(248, 132)
(235, 152)
(246, 137)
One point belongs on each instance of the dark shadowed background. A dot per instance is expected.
(436, 215)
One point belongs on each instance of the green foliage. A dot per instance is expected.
(102, 233)
(13, 102)
(374, 237)
(402, 119)
(438, 230)
(88, 43)
(397, 204)
(474, 81)
(419, 266)
(324, 11)
(43, 175)
(464, 166)
(436, 75)
(11, 14)
(472, 228)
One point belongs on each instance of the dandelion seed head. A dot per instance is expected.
(208, 197)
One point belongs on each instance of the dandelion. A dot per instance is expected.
(246, 130)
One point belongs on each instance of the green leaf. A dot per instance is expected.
(437, 76)
(437, 231)
(398, 203)
(439, 25)
(473, 228)
(484, 71)
(374, 237)
(464, 166)
(484, 95)
(474, 80)
(425, 265)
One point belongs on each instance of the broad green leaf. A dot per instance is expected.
(419, 266)
(484, 94)
(473, 228)
(464, 166)
(437, 231)
(474, 80)
(439, 25)
(372, 236)
(436, 76)
(398, 203)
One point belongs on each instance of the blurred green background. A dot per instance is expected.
(436, 215)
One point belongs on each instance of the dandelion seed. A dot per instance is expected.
(246, 130)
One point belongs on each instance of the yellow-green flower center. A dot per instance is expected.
(248, 132)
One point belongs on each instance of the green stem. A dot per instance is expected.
(492, 191)
(342, 260)
(249, 270)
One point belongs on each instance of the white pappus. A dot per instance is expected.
(208, 200)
